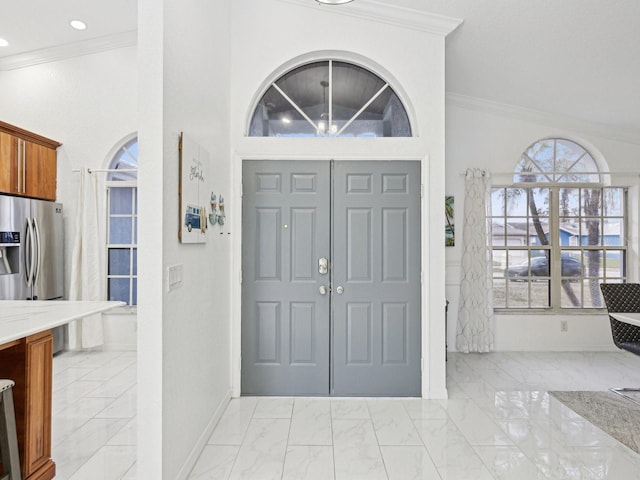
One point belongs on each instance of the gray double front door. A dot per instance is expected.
(331, 278)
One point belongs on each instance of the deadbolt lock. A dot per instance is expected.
(323, 266)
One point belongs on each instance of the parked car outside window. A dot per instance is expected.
(570, 267)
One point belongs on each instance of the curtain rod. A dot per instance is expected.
(97, 170)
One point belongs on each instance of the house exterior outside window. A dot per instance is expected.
(122, 225)
(558, 231)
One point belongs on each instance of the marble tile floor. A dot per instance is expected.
(498, 423)
(94, 415)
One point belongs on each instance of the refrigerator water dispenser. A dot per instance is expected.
(9, 253)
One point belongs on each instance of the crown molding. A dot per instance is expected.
(543, 117)
(391, 15)
(76, 49)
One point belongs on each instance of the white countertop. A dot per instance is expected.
(632, 318)
(20, 318)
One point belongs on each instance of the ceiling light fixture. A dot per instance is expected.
(333, 2)
(3, 43)
(78, 24)
(325, 124)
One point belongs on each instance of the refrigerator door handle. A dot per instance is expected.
(27, 250)
(38, 251)
(29, 263)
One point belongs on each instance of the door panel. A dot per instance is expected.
(285, 319)
(376, 261)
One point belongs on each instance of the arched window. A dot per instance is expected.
(557, 160)
(124, 165)
(330, 99)
(122, 224)
(557, 231)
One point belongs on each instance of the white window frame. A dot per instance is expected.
(556, 249)
(132, 246)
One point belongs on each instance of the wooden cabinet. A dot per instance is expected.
(8, 163)
(27, 163)
(28, 362)
(37, 451)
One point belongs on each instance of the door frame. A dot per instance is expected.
(433, 333)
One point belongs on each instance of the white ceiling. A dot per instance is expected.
(575, 58)
(31, 25)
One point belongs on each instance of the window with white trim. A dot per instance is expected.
(558, 231)
(122, 225)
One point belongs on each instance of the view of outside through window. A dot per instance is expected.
(122, 225)
(557, 233)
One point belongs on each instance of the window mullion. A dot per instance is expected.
(555, 253)
(134, 241)
(295, 105)
(364, 107)
(108, 243)
(330, 126)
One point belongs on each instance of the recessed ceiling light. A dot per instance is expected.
(333, 2)
(3, 43)
(78, 24)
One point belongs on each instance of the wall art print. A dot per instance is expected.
(194, 192)
(449, 228)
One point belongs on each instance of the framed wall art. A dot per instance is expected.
(193, 191)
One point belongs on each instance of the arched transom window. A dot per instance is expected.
(557, 231)
(330, 99)
(557, 160)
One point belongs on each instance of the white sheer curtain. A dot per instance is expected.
(86, 274)
(475, 328)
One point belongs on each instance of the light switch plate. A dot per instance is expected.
(175, 275)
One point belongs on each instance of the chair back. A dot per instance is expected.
(622, 297)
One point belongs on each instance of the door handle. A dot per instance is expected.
(323, 266)
(322, 290)
(24, 167)
(38, 252)
(30, 253)
(18, 163)
(340, 290)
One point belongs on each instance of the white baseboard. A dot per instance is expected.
(193, 457)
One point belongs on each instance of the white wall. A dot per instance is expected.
(485, 135)
(89, 104)
(184, 373)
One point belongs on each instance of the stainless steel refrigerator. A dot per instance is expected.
(32, 252)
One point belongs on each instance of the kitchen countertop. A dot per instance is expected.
(21, 318)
